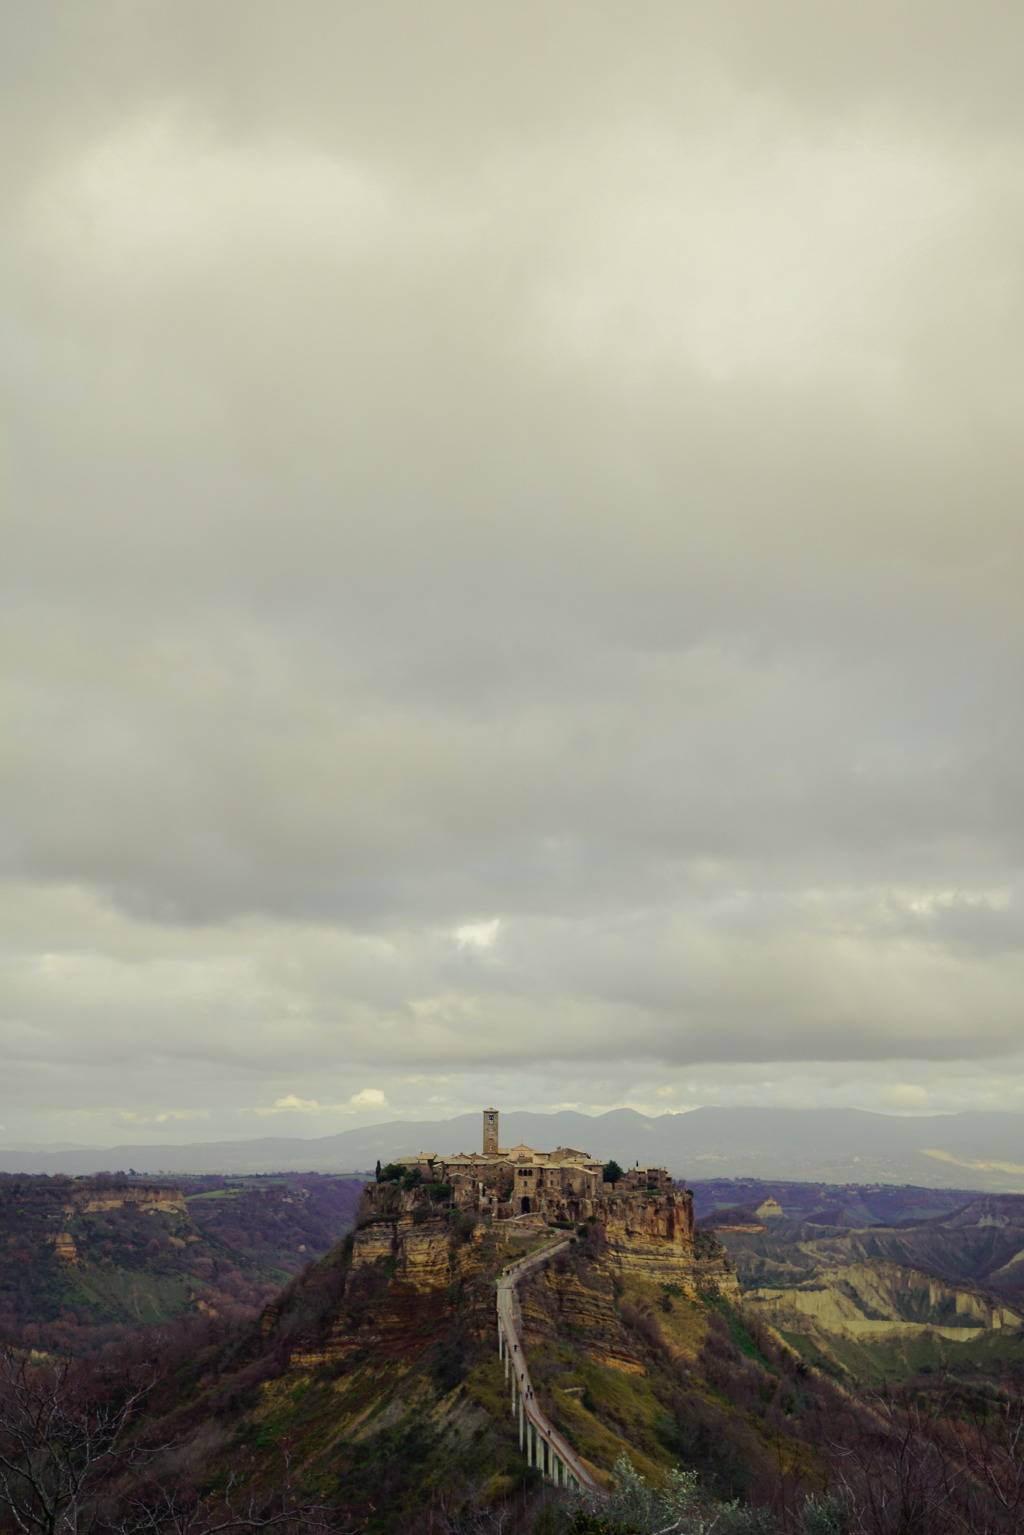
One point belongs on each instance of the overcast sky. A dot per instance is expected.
(511, 580)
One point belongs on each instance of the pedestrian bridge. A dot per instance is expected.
(539, 1439)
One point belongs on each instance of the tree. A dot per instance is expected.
(635, 1506)
(377, 1170)
(59, 1441)
(612, 1172)
(72, 1462)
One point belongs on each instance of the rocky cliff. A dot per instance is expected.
(154, 1198)
(884, 1299)
(650, 1234)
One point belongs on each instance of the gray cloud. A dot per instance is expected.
(508, 464)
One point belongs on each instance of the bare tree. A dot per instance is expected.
(985, 1431)
(74, 1461)
(902, 1472)
(60, 1443)
(170, 1511)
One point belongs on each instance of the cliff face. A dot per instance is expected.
(136, 1196)
(615, 1350)
(651, 1236)
(418, 1254)
(882, 1299)
(650, 1233)
(404, 1274)
(64, 1247)
(414, 1236)
(560, 1302)
(420, 1257)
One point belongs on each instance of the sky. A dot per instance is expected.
(512, 560)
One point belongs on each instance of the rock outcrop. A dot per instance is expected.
(557, 1303)
(151, 1198)
(883, 1300)
(65, 1249)
(648, 1234)
(652, 1236)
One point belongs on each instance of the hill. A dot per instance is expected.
(975, 1151)
(370, 1397)
(873, 1298)
(848, 1204)
(85, 1261)
(371, 1391)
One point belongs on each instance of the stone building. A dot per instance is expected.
(491, 1136)
(565, 1184)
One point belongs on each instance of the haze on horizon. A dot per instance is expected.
(512, 560)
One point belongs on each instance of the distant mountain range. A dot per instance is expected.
(971, 1151)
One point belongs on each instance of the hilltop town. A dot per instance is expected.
(564, 1184)
(646, 1222)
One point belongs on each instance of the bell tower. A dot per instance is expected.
(491, 1140)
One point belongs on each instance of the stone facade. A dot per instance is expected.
(565, 1186)
(521, 1180)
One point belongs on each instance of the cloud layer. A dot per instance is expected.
(512, 560)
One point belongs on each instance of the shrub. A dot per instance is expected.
(451, 1363)
(741, 1520)
(707, 1245)
(462, 1225)
(636, 1506)
(824, 1516)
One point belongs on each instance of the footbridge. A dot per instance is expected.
(539, 1439)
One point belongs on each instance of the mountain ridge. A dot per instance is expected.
(970, 1149)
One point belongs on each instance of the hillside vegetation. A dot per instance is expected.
(371, 1394)
(84, 1262)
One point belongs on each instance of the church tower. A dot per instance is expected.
(491, 1141)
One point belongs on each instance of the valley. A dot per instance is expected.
(360, 1353)
(868, 1285)
(85, 1262)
